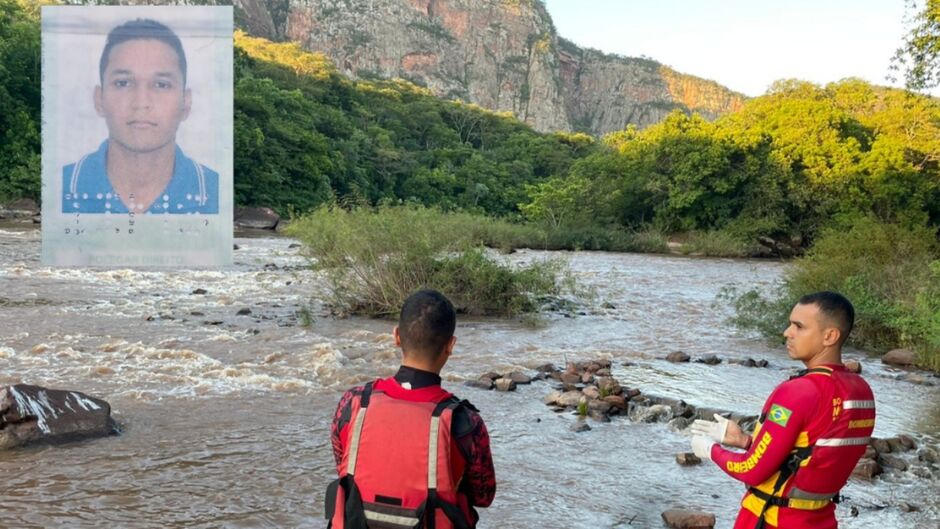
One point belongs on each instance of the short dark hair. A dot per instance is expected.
(836, 308)
(426, 323)
(141, 29)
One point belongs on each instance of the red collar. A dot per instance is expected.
(393, 389)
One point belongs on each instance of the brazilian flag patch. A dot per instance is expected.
(778, 414)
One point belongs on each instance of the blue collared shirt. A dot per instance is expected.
(194, 188)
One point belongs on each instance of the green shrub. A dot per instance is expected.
(375, 258)
(890, 272)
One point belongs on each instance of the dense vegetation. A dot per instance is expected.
(305, 134)
(19, 100)
(375, 258)
(918, 58)
(890, 271)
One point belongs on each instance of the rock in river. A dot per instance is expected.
(899, 357)
(31, 413)
(681, 519)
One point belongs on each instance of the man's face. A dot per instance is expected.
(807, 333)
(142, 97)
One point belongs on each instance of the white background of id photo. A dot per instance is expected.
(79, 233)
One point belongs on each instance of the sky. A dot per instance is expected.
(744, 45)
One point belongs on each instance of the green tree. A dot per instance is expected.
(918, 58)
(20, 138)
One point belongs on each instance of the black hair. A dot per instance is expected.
(141, 29)
(836, 308)
(426, 323)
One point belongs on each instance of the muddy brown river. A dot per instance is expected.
(226, 416)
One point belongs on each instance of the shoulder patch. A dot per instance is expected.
(779, 415)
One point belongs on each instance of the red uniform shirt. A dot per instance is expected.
(797, 414)
(472, 457)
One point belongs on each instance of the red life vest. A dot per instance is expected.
(813, 475)
(396, 468)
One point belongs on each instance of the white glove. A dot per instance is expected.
(713, 430)
(702, 447)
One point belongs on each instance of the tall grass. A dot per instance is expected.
(376, 257)
(890, 272)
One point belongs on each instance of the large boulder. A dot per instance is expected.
(682, 519)
(678, 357)
(892, 461)
(709, 359)
(899, 357)
(31, 413)
(654, 413)
(256, 218)
(504, 384)
(519, 377)
(867, 469)
(21, 208)
(569, 399)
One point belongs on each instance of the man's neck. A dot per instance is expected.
(145, 174)
(423, 366)
(412, 378)
(829, 355)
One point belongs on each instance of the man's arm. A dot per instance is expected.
(479, 477)
(339, 428)
(788, 410)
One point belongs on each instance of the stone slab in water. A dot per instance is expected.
(32, 413)
(682, 519)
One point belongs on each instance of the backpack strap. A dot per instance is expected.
(357, 429)
(789, 466)
(434, 502)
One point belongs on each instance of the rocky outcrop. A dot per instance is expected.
(503, 55)
(256, 218)
(23, 208)
(31, 413)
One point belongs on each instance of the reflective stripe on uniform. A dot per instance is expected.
(432, 452)
(796, 493)
(846, 441)
(404, 521)
(858, 405)
(354, 445)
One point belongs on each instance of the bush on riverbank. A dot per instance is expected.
(375, 258)
(890, 272)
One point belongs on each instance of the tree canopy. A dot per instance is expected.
(918, 58)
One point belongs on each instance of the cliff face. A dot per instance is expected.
(500, 54)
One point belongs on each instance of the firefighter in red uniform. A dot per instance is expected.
(408, 453)
(812, 431)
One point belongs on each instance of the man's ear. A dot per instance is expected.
(97, 98)
(831, 336)
(397, 336)
(187, 104)
(449, 348)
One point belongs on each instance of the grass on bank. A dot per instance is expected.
(375, 257)
(890, 272)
